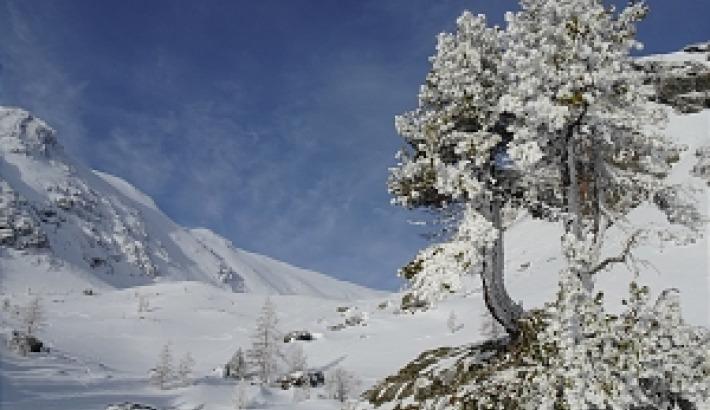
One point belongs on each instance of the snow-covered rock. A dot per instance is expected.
(682, 79)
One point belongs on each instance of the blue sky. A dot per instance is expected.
(270, 122)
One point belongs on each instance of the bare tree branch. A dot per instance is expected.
(621, 257)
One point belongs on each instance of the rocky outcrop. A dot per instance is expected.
(681, 79)
(20, 222)
(702, 167)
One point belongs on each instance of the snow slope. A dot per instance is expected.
(65, 227)
(103, 347)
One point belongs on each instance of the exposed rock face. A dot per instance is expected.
(682, 79)
(48, 205)
(25, 134)
(20, 222)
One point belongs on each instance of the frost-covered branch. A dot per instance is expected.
(621, 257)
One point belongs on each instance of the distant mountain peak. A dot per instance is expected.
(59, 218)
(23, 133)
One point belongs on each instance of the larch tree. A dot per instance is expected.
(266, 341)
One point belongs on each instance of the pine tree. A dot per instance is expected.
(163, 373)
(266, 343)
(571, 118)
(455, 164)
(581, 114)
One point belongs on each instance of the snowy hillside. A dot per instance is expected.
(103, 347)
(64, 227)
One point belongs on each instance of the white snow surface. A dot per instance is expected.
(102, 347)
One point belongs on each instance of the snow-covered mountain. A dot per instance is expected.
(66, 227)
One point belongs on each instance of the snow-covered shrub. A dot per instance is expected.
(452, 323)
(143, 302)
(572, 355)
(295, 359)
(702, 168)
(342, 384)
(25, 344)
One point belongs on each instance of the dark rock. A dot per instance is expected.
(303, 335)
(25, 344)
(682, 84)
(130, 406)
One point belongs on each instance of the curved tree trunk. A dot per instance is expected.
(495, 295)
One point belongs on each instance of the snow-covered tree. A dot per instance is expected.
(33, 316)
(580, 114)
(237, 367)
(184, 369)
(295, 358)
(266, 343)
(455, 164)
(164, 371)
(572, 136)
(341, 384)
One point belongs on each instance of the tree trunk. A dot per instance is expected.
(495, 295)
(572, 198)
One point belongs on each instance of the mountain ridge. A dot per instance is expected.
(67, 218)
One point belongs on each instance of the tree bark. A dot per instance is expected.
(495, 295)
